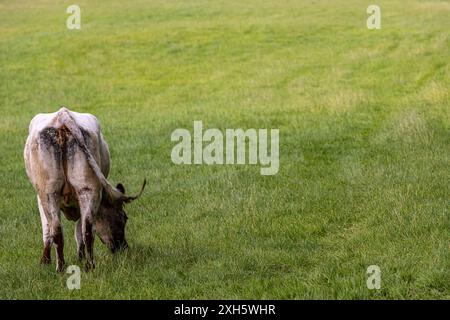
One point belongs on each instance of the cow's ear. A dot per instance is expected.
(121, 188)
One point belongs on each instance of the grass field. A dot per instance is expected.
(364, 145)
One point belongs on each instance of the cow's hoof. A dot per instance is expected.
(60, 267)
(81, 256)
(90, 265)
(45, 260)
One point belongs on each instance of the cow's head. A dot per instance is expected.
(111, 219)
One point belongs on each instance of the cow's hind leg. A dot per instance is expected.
(89, 203)
(46, 237)
(50, 205)
(79, 240)
(88, 190)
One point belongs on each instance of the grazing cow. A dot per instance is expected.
(67, 162)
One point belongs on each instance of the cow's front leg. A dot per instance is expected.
(58, 239)
(79, 240)
(89, 203)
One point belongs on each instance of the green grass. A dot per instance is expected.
(364, 145)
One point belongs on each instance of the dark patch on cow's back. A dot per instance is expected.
(87, 137)
(51, 140)
(59, 142)
(72, 145)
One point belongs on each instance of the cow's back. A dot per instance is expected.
(85, 121)
(52, 156)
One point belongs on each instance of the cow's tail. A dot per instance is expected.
(66, 119)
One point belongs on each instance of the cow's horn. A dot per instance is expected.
(128, 199)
